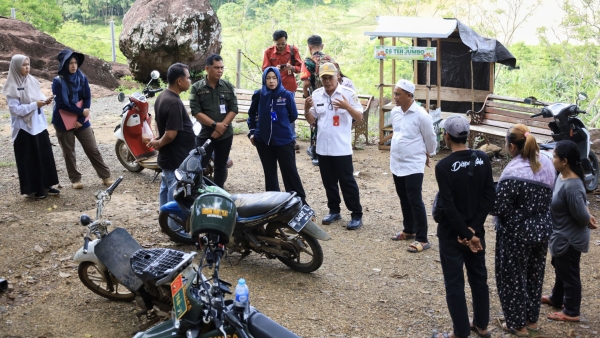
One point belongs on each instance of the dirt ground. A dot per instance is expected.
(368, 286)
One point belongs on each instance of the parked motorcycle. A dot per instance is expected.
(116, 267)
(275, 224)
(199, 307)
(135, 131)
(568, 126)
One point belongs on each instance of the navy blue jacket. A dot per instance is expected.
(59, 104)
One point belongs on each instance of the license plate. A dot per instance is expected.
(301, 218)
(180, 303)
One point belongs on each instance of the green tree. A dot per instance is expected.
(44, 15)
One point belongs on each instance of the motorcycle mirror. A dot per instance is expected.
(85, 220)
(178, 174)
(3, 285)
(121, 97)
(582, 96)
(154, 74)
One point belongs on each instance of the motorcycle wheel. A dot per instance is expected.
(594, 164)
(310, 254)
(176, 228)
(126, 157)
(94, 279)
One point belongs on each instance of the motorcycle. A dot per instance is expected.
(275, 224)
(116, 267)
(134, 131)
(199, 307)
(568, 126)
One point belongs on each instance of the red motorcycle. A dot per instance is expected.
(134, 132)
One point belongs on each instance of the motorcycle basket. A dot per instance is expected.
(213, 214)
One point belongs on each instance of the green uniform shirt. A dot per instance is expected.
(204, 99)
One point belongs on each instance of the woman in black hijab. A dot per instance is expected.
(71, 117)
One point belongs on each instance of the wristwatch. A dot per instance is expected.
(214, 125)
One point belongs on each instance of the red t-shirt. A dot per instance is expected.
(273, 58)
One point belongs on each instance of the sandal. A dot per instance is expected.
(546, 300)
(401, 236)
(505, 328)
(531, 328)
(478, 333)
(562, 317)
(416, 246)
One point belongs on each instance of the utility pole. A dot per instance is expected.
(13, 13)
(112, 36)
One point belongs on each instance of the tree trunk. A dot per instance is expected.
(591, 106)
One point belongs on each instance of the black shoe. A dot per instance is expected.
(355, 223)
(330, 218)
(296, 146)
(52, 191)
(315, 162)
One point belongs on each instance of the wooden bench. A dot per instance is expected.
(501, 112)
(244, 98)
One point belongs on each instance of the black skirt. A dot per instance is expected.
(35, 162)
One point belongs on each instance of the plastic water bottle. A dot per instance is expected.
(242, 295)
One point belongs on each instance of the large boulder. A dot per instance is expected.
(19, 37)
(158, 33)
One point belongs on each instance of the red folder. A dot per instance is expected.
(70, 119)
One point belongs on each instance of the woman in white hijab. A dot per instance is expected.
(33, 150)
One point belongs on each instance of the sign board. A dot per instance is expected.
(405, 53)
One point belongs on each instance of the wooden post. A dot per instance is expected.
(428, 81)
(439, 73)
(393, 64)
(238, 69)
(381, 112)
(492, 76)
(415, 65)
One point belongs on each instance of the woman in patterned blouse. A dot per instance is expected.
(523, 226)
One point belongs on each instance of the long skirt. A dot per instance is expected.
(35, 162)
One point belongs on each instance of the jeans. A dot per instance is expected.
(453, 256)
(567, 286)
(167, 187)
(409, 190)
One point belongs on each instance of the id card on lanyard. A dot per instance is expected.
(222, 106)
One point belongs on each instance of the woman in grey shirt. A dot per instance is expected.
(571, 224)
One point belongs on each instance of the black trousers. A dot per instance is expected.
(221, 149)
(35, 162)
(339, 170)
(285, 155)
(567, 286)
(409, 190)
(453, 256)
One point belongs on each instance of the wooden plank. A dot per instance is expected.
(514, 115)
(428, 80)
(508, 106)
(540, 138)
(451, 94)
(381, 81)
(439, 73)
(507, 125)
(415, 66)
(525, 121)
(492, 76)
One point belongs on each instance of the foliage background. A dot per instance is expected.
(550, 71)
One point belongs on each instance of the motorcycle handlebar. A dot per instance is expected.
(536, 115)
(110, 189)
(580, 111)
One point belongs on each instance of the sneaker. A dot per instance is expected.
(315, 162)
(35, 196)
(107, 181)
(78, 185)
(52, 191)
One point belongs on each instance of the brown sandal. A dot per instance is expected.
(401, 236)
(562, 317)
(546, 300)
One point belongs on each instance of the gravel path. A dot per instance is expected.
(368, 286)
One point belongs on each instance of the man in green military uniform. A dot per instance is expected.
(214, 105)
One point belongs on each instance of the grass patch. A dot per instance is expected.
(7, 164)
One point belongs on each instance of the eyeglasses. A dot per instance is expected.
(329, 103)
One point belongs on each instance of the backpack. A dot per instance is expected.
(313, 64)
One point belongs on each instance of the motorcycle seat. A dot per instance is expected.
(264, 327)
(548, 146)
(249, 205)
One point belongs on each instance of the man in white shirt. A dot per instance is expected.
(413, 142)
(335, 106)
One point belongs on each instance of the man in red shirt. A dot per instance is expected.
(287, 59)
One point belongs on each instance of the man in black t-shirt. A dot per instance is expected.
(467, 196)
(176, 136)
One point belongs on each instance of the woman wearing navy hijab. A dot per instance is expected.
(270, 118)
(71, 117)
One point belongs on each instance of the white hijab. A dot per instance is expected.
(25, 88)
